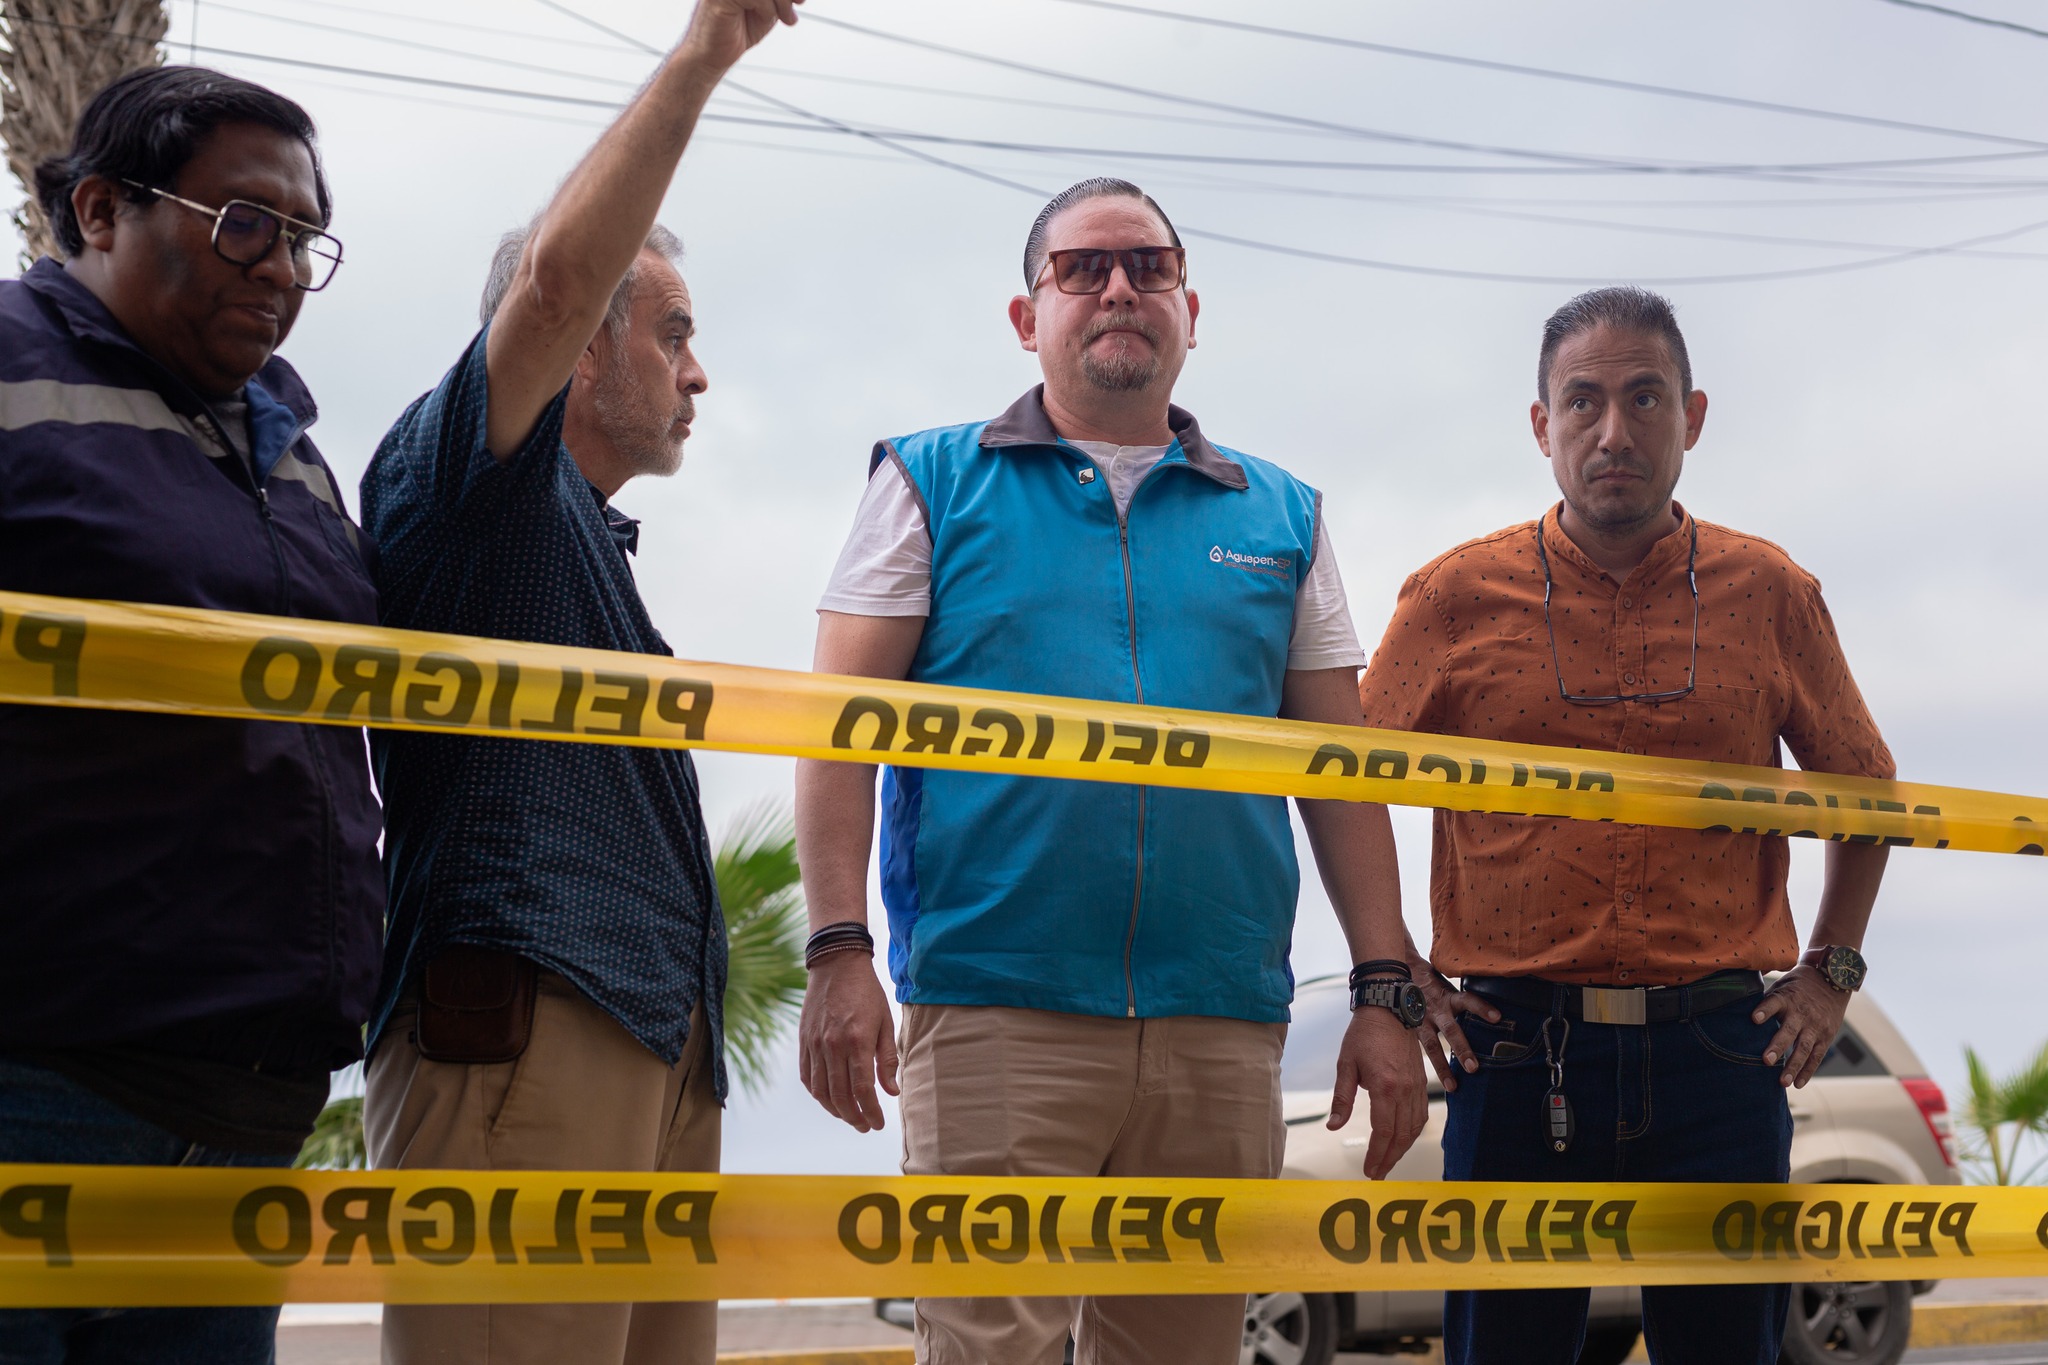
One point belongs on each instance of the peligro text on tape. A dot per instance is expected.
(99, 1235)
(67, 652)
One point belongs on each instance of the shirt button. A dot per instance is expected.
(1628, 897)
(1628, 748)
(1628, 677)
(1628, 601)
(1624, 976)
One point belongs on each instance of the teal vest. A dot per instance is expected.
(1091, 897)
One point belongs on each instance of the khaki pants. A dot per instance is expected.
(585, 1095)
(992, 1091)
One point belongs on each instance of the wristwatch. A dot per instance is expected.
(1404, 998)
(1842, 968)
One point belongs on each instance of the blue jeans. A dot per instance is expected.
(46, 1118)
(1687, 1100)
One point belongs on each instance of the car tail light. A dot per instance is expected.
(1933, 1107)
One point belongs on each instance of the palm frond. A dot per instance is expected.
(761, 891)
(2023, 1096)
(54, 57)
(337, 1142)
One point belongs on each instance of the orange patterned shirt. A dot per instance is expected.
(1608, 904)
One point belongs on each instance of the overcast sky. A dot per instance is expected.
(1876, 422)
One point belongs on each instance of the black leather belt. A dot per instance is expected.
(1609, 1005)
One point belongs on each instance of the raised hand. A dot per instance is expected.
(721, 31)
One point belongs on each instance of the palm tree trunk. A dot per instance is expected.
(57, 54)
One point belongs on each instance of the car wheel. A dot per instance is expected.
(1866, 1323)
(1289, 1329)
(1609, 1343)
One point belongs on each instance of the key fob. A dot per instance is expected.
(1557, 1118)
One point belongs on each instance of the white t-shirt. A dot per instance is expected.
(886, 567)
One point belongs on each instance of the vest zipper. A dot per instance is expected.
(1123, 540)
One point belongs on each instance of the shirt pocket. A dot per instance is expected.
(1716, 721)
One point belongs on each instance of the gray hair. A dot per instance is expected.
(1624, 307)
(1099, 187)
(505, 264)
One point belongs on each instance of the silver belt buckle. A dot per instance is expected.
(1599, 1005)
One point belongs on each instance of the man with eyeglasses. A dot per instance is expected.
(193, 906)
(1094, 976)
(1613, 1022)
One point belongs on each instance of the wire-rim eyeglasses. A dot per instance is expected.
(245, 233)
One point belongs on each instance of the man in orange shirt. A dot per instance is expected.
(1613, 1022)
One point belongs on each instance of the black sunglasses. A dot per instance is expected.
(1692, 673)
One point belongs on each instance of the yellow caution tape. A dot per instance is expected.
(66, 652)
(129, 1236)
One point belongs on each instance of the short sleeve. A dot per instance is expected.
(1828, 726)
(439, 447)
(885, 568)
(1324, 635)
(1403, 687)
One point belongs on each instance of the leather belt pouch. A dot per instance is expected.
(476, 1005)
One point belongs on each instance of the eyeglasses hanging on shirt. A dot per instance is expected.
(1692, 672)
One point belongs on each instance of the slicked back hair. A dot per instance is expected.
(1624, 307)
(505, 264)
(1098, 187)
(147, 125)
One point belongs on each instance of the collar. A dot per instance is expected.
(625, 530)
(88, 319)
(1669, 553)
(1025, 424)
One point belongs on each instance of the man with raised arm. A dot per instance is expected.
(1094, 976)
(556, 956)
(1615, 1024)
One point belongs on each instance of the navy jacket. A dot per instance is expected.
(160, 872)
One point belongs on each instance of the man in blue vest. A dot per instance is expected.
(1094, 975)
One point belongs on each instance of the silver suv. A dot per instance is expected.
(1871, 1116)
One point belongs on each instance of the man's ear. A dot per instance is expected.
(1194, 311)
(1539, 422)
(1695, 416)
(591, 363)
(1024, 317)
(96, 201)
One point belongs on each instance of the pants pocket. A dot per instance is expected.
(1729, 1034)
(1514, 1041)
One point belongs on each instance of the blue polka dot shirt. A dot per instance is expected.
(589, 859)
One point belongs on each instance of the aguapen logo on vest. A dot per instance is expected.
(1276, 566)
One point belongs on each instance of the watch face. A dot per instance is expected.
(1410, 1006)
(1844, 968)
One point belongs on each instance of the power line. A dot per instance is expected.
(920, 155)
(415, 45)
(1967, 17)
(1811, 171)
(1578, 78)
(1754, 277)
(493, 30)
(892, 142)
(1449, 272)
(1196, 102)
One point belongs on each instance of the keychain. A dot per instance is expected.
(1557, 1110)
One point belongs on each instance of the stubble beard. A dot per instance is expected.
(636, 423)
(1623, 521)
(1124, 370)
